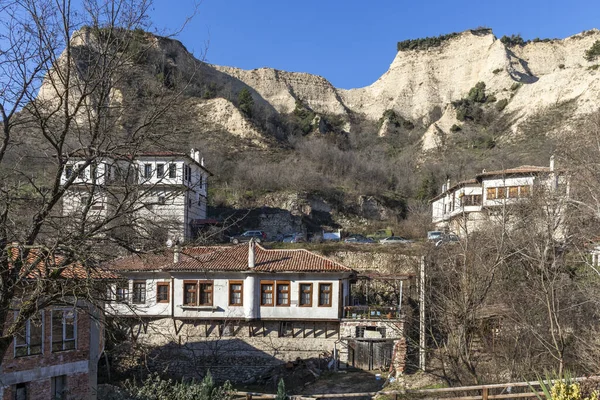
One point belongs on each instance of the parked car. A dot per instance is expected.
(434, 236)
(395, 240)
(293, 238)
(358, 239)
(448, 238)
(245, 237)
(381, 234)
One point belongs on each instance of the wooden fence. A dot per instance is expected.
(513, 390)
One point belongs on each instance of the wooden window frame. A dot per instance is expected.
(231, 292)
(272, 291)
(190, 282)
(148, 171)
(211, 291)
(493, 191)
(27, 344)
(158, 286)
(277, 283)
(172, 171)
(321, 284)
(143, 295)
(525, 191)
(160, 170)
(513, 192)
(300, 292)
(502, 192)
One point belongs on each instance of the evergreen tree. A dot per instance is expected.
(245, 102)
(281, 390)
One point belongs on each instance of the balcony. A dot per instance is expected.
(371, 312)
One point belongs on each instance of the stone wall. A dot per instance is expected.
(240, 351)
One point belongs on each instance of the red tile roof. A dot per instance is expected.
(523, 169)
(232, 258)
(40, 264)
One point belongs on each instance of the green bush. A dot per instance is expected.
(395, 119)
(304, 117)
(561, 66)
(156, 388)
(245, 102)
(593, 52)
(497, 70)
(468, 110)
(455, 128)
(490, 99)
(501, 105)
(515, 86)
(593, 67)
(513, 40)
(477, 93)
(425, 43)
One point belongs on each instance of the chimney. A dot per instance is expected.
(176, 253)
(251, 248)
(193, 153)
(552, 163)
(202, 161)
(197, 156)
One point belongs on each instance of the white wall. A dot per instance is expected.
(221, 307)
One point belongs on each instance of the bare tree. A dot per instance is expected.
(71, 75)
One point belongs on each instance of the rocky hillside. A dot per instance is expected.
(466, 98)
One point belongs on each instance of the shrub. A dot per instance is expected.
(395, 119)
(156, 388)
(281, 394)
(593, 67)
(477, 93)
(593, 52)
(515, 86)
(245, 102)
(424, 43)
(304, 116)
(490, 99)
(513, 40)
(455, 128)
(497, 70)
(561, 66)
(501, 105)
(467, 110)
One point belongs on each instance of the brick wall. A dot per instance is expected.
(37, 370)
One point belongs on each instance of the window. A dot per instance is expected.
(187, 173)
(236, 293)
(93, 170)
(160, 170)
(147, 171)
(524, 191)
(190, 201)
(199, 199)
(206, 293)
(190, 293)
(513, 192)
(266, 293)
(68, 171)
(162, 292)
(172, 171)
(80, 171)
(306, 295)
(139, 293)
(283, 293)
(59, 387)
(21, 391)
(29, 340)
(324, 294)
(200, 182)
(63, 329)
(107, 171)
(501, 192)
(122, 291)
(491, 193)
(471, 200)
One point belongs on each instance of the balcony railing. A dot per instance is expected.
(371, 312)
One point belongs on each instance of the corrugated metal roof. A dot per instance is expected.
(233, 258)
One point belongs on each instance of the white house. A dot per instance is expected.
(243, 282)
(469, 205)
(161, 191)
(239, 309)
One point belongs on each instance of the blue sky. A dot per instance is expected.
(351, 43)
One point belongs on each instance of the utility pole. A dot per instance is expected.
(422, 315)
